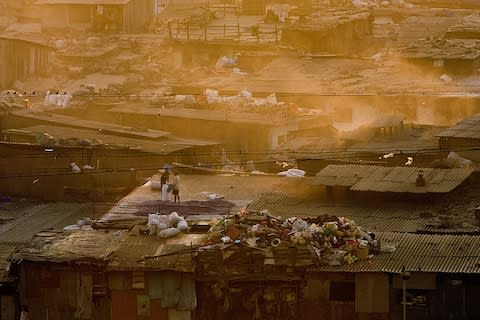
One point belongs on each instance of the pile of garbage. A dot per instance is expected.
(166, 225)
(333, 240)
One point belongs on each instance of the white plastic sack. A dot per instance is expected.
(170, 232)
(173, 218)
(459, 161)
(75, 167)
(182, 225)
(152, 218)
(162, 226)
(163, 219)
(292, 173)
(299, 225)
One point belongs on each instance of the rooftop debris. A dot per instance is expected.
(332, 240)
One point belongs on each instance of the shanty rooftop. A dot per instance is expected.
(103, 127)
(301, 198)
(421, 253)
(467, 129)
(328, 19)
(35, 38)
(392, 179)
(122, 249)
(409, 141)
(267, 119)
(120, 242)
(23, 220)
(444, 49)
(89, 2)
(162, 145)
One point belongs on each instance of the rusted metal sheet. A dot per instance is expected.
(343, 175)
(124, 304)
(403, 180)
(392, 179)
(467, 128)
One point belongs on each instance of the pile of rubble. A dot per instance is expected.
(334, 240)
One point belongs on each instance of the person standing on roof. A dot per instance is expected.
(176, 187)
(164, 177)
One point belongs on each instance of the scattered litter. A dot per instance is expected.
(215, 196)
(386, 156)
(409, 161)
(257, 172)
(333, 240)
(75, 168)
(225, 62)
(377, 57)
(446, 78)
(292, 173)
(82, 224)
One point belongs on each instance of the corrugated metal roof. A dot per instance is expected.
(467, 128)
(391, 179)
(343, 175)
(297, 197)
(155, 253)
(398, 147)
(421, 253)
(162, 145)
(272, 120)
(402, 179)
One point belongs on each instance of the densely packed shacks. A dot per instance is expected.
(289, 254)
(388, 237)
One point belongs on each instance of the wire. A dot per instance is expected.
(399, 148)
(473, 90)
(62, 172)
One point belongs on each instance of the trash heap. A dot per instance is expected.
(166, 225)
(333, 240)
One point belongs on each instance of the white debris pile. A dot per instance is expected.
(166, 226)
